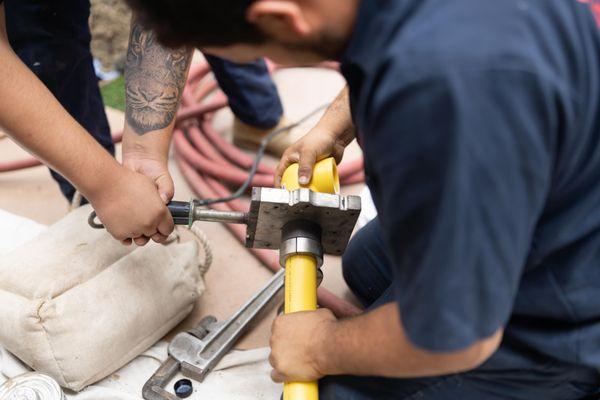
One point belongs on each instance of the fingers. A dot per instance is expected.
(158, 238)
(277, 377)
(141, 240)
(166, 188)
(289, 157)
(306, 164)
(166, 225)
(306, 159)
(158, 231)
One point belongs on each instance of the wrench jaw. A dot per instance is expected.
(195, 353)
(188, 350)
(154, 388)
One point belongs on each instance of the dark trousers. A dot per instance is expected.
(252, 95)
(53, 39)
(508, 374)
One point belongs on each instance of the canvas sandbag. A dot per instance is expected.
(77, 305)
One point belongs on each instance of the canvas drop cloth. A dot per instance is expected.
(240, 375)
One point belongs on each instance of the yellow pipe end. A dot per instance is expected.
(325, 177)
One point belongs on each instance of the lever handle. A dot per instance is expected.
(180, 211)
(184, 213)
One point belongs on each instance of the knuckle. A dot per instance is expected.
(148, 226)
(120, 237)
(158, 209)
(275, 363)
(276, 325)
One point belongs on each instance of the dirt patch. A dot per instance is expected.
(109, 23)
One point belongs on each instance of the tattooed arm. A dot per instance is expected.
(154, 80)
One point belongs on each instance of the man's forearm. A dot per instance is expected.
(337, 119)
(376, 344)
(35, 119)
(154, 80)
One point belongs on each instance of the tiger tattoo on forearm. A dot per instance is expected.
(154, 80)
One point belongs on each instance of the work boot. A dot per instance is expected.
(249, 137)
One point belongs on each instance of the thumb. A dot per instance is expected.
(165, 187)
(305, 166)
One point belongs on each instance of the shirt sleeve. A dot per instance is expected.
(459, 196)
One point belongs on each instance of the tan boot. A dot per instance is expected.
(249, 137)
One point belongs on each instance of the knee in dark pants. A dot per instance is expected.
(351, 263)
(366, 264)
(357, 260)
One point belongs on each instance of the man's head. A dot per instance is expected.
(287, 31)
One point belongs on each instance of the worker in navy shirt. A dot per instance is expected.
(480, 126)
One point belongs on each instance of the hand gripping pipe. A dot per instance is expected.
(301, 267)
(211, 164)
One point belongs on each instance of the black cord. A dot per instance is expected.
(259, 155)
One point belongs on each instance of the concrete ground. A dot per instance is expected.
(235, 274)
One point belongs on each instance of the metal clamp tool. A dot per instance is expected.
(271, 209)
(295, 222)
(303, 224)
(196, 352)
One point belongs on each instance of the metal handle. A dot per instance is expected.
(185, 213)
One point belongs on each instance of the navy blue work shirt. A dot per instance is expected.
(480, 125)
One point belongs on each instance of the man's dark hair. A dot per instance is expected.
(197, 22)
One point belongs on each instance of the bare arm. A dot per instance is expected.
(338, 118)
(376, 344)
(126, 203)
(309, 345)
(330, 137)
(154, 81)
(37, 121)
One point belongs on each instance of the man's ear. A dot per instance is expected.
(279, 19)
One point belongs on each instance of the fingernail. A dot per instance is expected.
(164, 198)
(303, 180)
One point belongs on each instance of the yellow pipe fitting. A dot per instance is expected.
(301, 270)
(325, 178)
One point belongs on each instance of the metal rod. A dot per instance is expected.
(229, 217)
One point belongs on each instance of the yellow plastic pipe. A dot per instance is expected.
(301, 270)
(325, 177)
